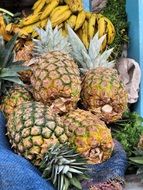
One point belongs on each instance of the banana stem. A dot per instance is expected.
(6, 11)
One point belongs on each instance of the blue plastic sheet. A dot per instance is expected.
(16, 173)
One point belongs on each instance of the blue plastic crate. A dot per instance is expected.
(87, 5)
(134, 9)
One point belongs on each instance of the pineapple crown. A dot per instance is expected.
(64, 167)
(50, 40)
(9, 68)
(91, 58)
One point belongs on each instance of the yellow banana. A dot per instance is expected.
(34, 34)
(72, 21)
(49, 8)
(48, 1)
(9, 27)
(91, 25)
(85, 34)
(110, 31)
(3, 32)
(59, 10)
(88, 15)
(64, 31)
(101, 26)
(80, 20)
(44, 22)
(79, 33)
(63, 17)
(26, 30)
(104, 44)
(36, 4)
(30, 20)
(99, 15)
(75, 5)
(60, 26)
(40, 6)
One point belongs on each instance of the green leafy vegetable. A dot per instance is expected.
(116, 12)
(128, 131)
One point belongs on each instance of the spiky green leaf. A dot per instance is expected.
(91, 58)
(137, 159)
(95, 46)
(74, 181)
(61, 164)
(13, 79)
(8, 50)
(50, 40)
(77, 46)
(66, 184)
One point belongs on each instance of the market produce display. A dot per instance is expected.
(69, 100)
(60, 13)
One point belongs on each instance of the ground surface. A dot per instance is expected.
(133, 183)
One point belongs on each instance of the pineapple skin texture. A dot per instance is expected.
(103, 87)
(89, 135)
(55, 75)
(25, 54)
(15, 97)
(32, 129)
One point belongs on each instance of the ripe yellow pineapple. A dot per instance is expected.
(16, 95)
(54, 73)
(102, 90)
(89, 135)
(33, 127)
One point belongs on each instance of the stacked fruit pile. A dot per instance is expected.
(61, 13)
(67, 90)
(56, 82)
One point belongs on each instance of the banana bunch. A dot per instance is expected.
(87, 25)
(75, 5)
(63, 12)
(3, 31)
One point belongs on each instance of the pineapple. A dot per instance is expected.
(102, 90)
(33, 127)
(25, 54)
(8, 68)
(89, 135)
(54, 73)
(16, 95)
